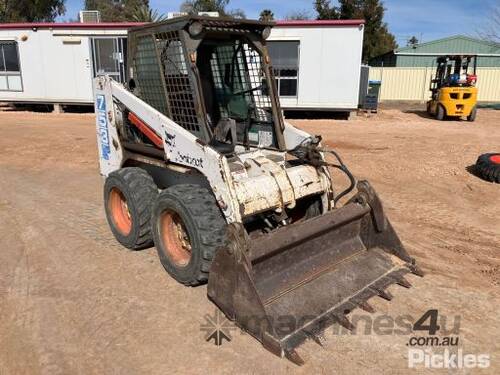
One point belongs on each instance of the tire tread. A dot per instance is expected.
(209, 224)
(142, 188)
(487, 169)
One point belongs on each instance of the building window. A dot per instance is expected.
(285, 61)
(10, 71)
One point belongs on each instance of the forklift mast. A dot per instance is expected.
(455, 71)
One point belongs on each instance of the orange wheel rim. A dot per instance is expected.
(175, 238)
(120, 212)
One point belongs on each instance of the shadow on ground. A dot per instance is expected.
(45, 108)
(420, 113)
(471, 169)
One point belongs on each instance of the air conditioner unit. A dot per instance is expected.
(90, 16)
(176, 14)
(209, 14)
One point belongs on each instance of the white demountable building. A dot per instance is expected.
(317, 63)
(55, 62)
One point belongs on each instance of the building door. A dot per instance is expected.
(109, 56)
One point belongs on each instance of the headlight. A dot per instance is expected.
(195, 28)
(266, 32)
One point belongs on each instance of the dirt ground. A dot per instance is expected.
(73, 301)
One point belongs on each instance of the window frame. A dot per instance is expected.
(277, 69)
(119, 47)
(8, 73)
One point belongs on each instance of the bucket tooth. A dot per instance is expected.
(403, 282)
(366, 307)
(293, 356)
(318, 338)
(384, 294)
(416, 270)
(344, 322)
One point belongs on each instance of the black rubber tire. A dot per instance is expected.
(472, 115)
(140, 191)
(204, 224)
(487, 169)
(440, 112)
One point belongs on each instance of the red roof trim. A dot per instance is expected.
(319, 23)
(71, 25)
(127, 25)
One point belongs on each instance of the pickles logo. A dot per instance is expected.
(217, 328)
(425, 351)
(449, 360)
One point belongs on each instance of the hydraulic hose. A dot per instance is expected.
(309, 152)
(341, 166)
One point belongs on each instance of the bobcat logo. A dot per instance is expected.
(170, 139)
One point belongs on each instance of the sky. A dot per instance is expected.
(426, 19)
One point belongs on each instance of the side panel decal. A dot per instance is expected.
(103, 126)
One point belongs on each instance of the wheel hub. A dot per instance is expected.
(175, 238)
(120, 212)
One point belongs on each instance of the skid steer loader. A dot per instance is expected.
(199, 161)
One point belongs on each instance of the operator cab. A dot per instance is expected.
(236, 92)
(212, 77)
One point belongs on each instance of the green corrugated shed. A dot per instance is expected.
(458, 44)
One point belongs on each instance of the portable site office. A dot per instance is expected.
(316, 63)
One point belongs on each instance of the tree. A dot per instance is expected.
(31, 10)
(266, 15)
(326, 11)
(377, 38)
(237, 13)
(349, 9)
(146, 14)
(116, 11)
(491, 30)
(413, 41)
(298, 15)
(196, 6)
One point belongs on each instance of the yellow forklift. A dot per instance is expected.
(454, 91)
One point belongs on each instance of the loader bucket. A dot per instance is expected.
(291, 284)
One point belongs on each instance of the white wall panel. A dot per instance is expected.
(52, 69)
(329, 65)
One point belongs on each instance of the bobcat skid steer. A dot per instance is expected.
(199, 162)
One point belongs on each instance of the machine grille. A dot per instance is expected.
(180, 93)
(148, 74)
(247, 78)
